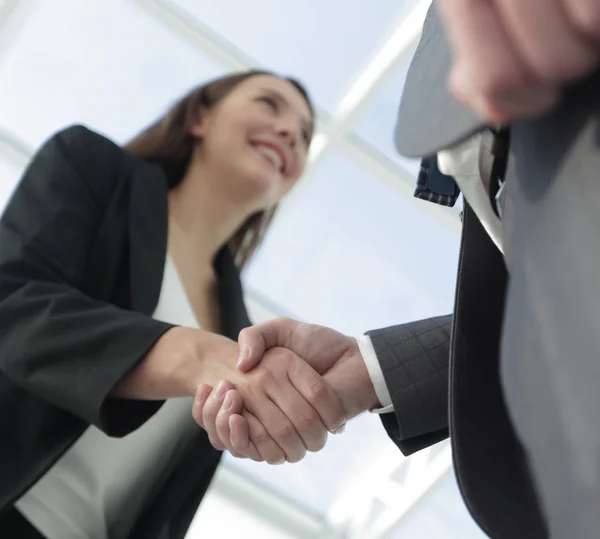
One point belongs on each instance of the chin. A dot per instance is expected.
(262, 189)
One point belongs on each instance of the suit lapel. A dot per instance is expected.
(429, 118)
(148, 224)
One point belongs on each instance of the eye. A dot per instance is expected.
(306, 136)
(272, 103)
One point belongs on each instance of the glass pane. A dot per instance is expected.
(441, 514)
(376, 123)
(321, 478)
(325, 44)
(220, 517)
(354, 254)
(105, 64)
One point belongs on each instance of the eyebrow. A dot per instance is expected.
(277, 95)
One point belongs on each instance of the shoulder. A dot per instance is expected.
(83, 155)
(81, 144)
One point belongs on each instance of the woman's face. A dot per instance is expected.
(257, 139)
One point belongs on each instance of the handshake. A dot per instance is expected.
(292, 385)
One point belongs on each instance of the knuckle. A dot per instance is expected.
(285, 432)
(265, 378)
(585, 16)
(210, 411)
(317, 391)
(559, 69)
(222, 430)
(281, 355)
(260, 438)
(494, 84)
(308, 419)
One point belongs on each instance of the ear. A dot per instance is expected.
(200, 126)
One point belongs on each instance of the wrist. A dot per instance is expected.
(350, 379)
(370, 399)
(207, 359)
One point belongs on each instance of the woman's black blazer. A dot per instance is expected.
(82, 252)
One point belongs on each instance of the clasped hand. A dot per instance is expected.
(297, 383)
(514, 58)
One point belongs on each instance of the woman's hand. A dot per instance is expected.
(288, 408)
(334, 355)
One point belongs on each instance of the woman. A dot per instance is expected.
(120, 296)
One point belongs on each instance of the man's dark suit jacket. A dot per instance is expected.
(443, 374)
(443, 377)
(82, 252)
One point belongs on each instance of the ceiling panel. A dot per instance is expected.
(353, 253)
(375, 124)
(326, 44)
(100, 62)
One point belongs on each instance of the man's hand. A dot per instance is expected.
(327, 351)
(288, 407)
(513, 58)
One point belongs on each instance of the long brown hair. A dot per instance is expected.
(169, 141)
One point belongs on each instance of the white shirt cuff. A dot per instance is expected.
(367, 351)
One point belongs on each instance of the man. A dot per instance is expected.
(522, 355)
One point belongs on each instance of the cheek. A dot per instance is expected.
(298, 169)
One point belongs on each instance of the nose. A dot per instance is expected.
(289, 130)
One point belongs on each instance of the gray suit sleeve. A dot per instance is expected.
(414, 359)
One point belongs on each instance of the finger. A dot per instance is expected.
(488, 73)
(320, 409)
(585, 16)
(255, 340)
(502, 107)
(276, 422)
(546, 38)
(232, 404)
(240, 441)
(202, 393)
(266, 447)
(210, 411)
(239, 435)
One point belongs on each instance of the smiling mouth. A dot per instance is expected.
(272, 156)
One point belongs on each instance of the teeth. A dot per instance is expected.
(272, 156)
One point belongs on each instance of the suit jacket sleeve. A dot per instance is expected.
(414, 359)
(57, 342)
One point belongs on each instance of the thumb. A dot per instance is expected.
(252, 349)
(254, 341)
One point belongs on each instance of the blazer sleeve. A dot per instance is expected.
(58, 343)
(414, 359)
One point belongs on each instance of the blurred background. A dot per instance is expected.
(350, 248)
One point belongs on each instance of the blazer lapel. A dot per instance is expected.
(234, 316)
(148, 226)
